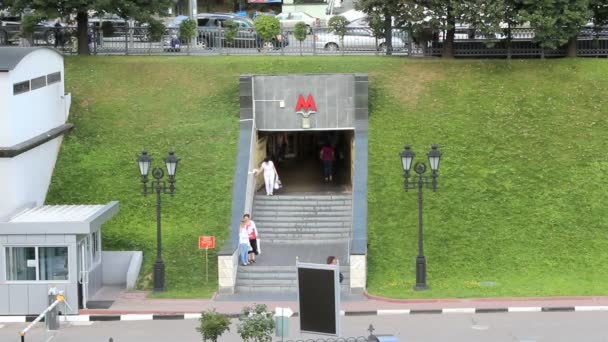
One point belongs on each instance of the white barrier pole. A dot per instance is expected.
(60, 298)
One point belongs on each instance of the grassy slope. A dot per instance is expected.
(520, 197)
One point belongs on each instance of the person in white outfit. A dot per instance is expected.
(243, 243)
(270, 174)
(253, 237)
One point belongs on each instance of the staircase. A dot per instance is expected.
(307, 226)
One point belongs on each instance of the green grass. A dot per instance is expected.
(521, 199)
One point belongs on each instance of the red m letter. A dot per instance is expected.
(308, 105)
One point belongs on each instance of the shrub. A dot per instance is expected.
(213, 325)
(337, 25)
(256, 324)
(28, 25)
(300, 32)
(230, 30)
(267, 27)
(107, 28)
(156, 30)
(187, 29)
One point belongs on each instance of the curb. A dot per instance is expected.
(161, 317)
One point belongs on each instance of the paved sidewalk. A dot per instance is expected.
(135, 302)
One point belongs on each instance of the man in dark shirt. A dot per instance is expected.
(327, 157)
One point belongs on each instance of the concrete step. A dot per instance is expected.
(290, 230)
(307, 219)
(279, 269)
(302, 224)
(304, 197)
(278, 289)
(278, 212)
(300, 208)
(305, 240)
(303, 203)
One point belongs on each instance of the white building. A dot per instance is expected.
(40, 245)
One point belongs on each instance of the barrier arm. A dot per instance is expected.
(60, 298)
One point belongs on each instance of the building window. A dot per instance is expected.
(96, 238)
(21, 87)
(37, 263)
(53, 78)
(38, 82)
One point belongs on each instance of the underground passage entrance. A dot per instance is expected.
(297, 157)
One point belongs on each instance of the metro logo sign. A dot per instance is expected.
(307, 105)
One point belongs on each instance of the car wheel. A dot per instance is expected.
(332, 47)
(49, 37)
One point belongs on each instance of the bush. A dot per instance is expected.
(230, 30)
(256, 324)
(213, 325)
(156, 30)
(300, 32)
(267, 27)
(187, 29)
(28, 25)
(338, 25)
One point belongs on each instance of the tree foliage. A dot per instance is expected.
(337, 25)
(256, 324)
(140, 10)
(300, 32)
(230, 30)
(267, 27)
(212, 325)
(555, 21)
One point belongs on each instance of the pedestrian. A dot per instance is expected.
(243, 243)
(332, 260)
(327, 156)
(270, 175)
(253, 237)
(58, 33)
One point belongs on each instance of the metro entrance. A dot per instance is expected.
(297, 158)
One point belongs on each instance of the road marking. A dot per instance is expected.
(12, 319)
(135, 317)
(192, 316)
(78, 318)
(459, 310)
(525, 309)
(50, 338)
(394, 312)
(591, 308)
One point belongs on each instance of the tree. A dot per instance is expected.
(230, 30)
(212, 325)
(337, 25)
(140, 10)
(256, 324)
(267, 27)
(556, 22)
(385, 9)
(300, 32)
(187, 30)
(599, 14)
(28, 26)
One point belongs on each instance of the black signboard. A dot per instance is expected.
(319, 298)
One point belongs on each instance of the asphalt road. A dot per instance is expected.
(528, 327)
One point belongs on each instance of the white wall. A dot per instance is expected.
(27, 177)
(35, 112)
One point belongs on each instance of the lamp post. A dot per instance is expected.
(407, 156)
(160, 186)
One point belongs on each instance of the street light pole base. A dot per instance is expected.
(420, 274)
(159, 276)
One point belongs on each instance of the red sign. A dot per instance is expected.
(206, 242)
(308, 105)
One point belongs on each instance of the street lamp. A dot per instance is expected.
(144, 161)
(407, 156)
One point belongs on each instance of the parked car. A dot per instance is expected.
(210, 33)
(359, 39)
(120, 27)
(290, 19)
(45, 32)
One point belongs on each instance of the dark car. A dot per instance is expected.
(45, 32)
(211, 26)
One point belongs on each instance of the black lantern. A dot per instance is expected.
(144, 162)
(406, 158)
(171, 162)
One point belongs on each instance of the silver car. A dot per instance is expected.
(359, 39)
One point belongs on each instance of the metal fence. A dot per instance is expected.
(318, 41)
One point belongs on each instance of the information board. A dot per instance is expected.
(319, 298)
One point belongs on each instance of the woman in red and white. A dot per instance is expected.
(253, 237)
